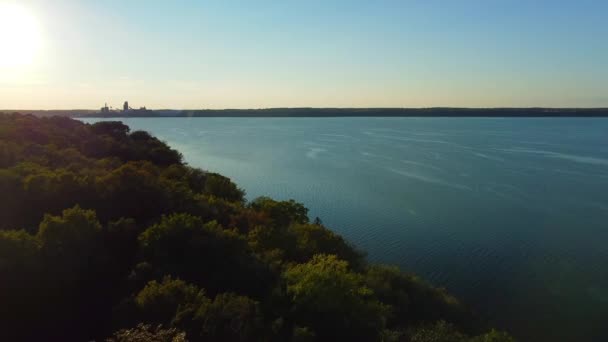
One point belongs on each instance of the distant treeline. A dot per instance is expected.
(388, 112)
(337, 112)
(70, 113)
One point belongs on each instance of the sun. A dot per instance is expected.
(20, 38)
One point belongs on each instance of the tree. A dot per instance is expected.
(438, 332)
(115, 129)
(414, 301)
(493, 336)
(160, 303)
(442, 331)
(220, 186)
(204, 254)
(145, 333)
(283, 213)
(334, 301)
(314, 239)
(20, 289)
(12, 198)
(229, 318)
(71, 239)
(74, 265)
(134, 190)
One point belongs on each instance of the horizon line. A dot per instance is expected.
(300, 107)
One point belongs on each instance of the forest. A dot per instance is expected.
(107, 234)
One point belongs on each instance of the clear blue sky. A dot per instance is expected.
(252, 54)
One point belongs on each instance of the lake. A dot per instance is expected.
(510, 215)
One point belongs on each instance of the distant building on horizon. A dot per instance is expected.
(126, 109)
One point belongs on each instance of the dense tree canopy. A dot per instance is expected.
(107, 234)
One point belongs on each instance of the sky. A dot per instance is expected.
(187, 54)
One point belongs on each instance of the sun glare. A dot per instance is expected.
(20, 38)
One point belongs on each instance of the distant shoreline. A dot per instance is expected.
(330, 112)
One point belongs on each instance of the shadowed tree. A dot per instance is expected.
(334, 301)
(204, 254)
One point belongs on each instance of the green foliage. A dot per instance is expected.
(333, 300)
(203, 253)
(222, 187)
(229, 317)
(16, 246)
(20, 269)
(282, 213)
(439, 332)
(493, 336)
(303, 334)
(299, 242)
(19, 260)
(75, 233)
(412, 300)
(314, 239)
(445, 332)
(114, 230)
(115, 129)
(160, 302)
(145, 333)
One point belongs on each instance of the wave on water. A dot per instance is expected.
(551, 154)
(581, 174)
(179, 131)
(370, 154)
(411, 162)
(313, 152)
(335, 135)
(417, 140)
(485, 156)
(429, 179)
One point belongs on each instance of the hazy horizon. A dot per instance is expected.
(119, 108)
(339, 54)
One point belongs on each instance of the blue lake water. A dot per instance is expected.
(509, 214)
